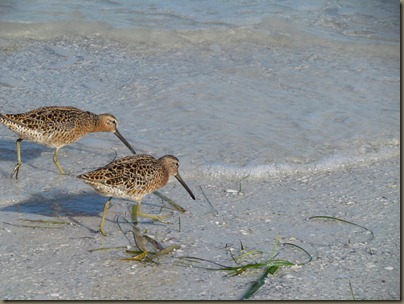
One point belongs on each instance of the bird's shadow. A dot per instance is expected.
(66, 205)
(60, 205)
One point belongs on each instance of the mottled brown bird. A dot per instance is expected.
(133, 177)
(57, 127)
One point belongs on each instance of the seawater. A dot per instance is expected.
(232, 88)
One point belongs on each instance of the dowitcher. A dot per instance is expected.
(57, 127)
(132, 178)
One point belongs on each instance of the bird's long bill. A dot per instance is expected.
(178, 177)
(119, 135)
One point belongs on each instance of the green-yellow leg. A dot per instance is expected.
(140, 256)
(136, 212)
(133, 215)
(55, 160)
(19, 162)
(104, 213)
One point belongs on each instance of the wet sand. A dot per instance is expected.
(56, 263)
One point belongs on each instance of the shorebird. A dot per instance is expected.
(56, 127)
(132, 178)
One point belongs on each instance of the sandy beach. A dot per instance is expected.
(56, 263)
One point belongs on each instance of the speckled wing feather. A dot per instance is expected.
(135, 176)
(53, 126)
(7, 119)
(46, 118)
(13, 122)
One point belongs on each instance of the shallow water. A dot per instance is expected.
(233, 88)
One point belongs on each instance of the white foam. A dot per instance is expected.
(328, 164)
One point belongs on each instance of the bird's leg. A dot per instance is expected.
(136, 212)
(133, 214)
(55, 160)
(104, 213)
(19, 162)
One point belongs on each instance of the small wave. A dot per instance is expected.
(331, 163)
(165, 37)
